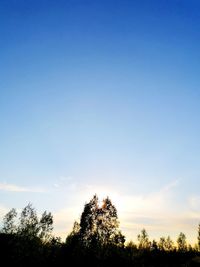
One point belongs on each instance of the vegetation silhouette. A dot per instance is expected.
(96, 240)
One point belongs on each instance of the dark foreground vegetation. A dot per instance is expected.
(94, 241)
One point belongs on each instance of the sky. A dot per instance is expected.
(102, 96)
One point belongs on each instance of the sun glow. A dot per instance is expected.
(155, 211)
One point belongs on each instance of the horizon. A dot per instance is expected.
(102, 97)
(130, 230)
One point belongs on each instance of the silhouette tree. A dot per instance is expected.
(162, 243)
(46, 226)
(190, 248)
(95, 241)
(165, 244)
(88, 223)
(143, 240)
(169, 244)
(73, 239)
(29, 224)
(131, 245)
(9, 226)
(154, 245)
(76, 228)
(99, 224)
(181, 242)
(107, 224)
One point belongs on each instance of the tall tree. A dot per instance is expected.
(88, 223)
(99, 224)
(107, 224)
(9, 226)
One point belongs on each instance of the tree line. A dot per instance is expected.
(96, 240)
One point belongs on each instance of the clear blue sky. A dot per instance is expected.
(102, 96)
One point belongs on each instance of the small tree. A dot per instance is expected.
(161, 243)
(73, 239)
(181, 242)
(169, 244)
(165, 244)
(29, 225)
(143, 240)
(131, 245)
(154, 245)
(46, 226)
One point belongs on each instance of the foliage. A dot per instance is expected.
(181, 242)
(28, 222)
(46, 226)
(29, 226)
(99, 224)
(169, 244)
(94, 241)
(9, 226)
(143, 240)
(166, 244)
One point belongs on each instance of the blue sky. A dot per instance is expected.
(102, 96)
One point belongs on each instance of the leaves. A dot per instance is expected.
(181, 242)
(143, 240)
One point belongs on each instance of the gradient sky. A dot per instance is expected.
(102, 96)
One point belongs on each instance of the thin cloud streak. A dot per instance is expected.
(16, 188)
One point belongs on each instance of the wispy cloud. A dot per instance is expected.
(160, 213)
(16, 188)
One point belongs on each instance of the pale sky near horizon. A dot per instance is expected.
(102, 97)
